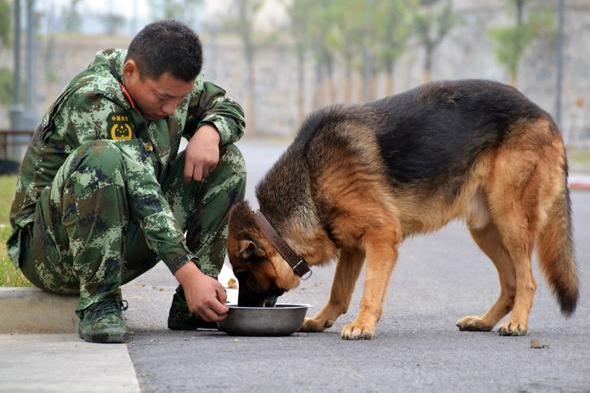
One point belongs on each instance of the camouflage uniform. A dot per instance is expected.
(101, 196)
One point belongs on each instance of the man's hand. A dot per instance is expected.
(202, 153)
(205, 296)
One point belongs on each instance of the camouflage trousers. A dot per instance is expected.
(94, 252)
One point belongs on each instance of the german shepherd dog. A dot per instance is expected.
(358, 180)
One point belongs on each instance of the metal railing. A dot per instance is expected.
(11, 139)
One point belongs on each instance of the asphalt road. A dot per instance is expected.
(439, 279)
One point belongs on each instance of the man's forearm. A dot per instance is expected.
(207, 133)
(210, 105)
(187, 273)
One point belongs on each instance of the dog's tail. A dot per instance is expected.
(556, 253)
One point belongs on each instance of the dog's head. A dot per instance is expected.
(262, 273)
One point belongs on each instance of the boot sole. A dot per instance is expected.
(105, 338)
(200, 325)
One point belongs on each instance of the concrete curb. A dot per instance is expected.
(579, 186)
(579, 181)
(30, 310)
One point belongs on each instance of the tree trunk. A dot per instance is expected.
(318, 89)
(300, 88)
(360, 97)
(347, 84)
(427, 75)
(373, 86)
(389, 79)
(331, 86)
(514, 79)
(519, 21)
(251, 96)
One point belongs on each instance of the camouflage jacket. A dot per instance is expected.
(94, 106)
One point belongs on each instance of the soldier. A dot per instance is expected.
(103, 193)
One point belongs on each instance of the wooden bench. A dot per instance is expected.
(8, 142)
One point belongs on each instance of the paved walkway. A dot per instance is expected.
(63, 363)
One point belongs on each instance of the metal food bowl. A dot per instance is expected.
(281, 320)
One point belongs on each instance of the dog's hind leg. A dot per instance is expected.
(521, 178)
(347, 272)
(489, 240)
(520, 251)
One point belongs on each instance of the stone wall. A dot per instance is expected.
(466, 53)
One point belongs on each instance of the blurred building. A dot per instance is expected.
(467, 52)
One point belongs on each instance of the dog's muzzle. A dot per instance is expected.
(249, 294)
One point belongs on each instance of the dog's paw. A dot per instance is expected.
(315, 325)
(353, 331)
(473, 324)
(513, 329)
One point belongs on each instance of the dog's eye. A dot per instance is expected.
(257, 260)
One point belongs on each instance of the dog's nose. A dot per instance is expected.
(270, 301)
(276, 291)
(242, 275)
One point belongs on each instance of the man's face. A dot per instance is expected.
(155, 98)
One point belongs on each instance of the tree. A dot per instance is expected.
(299, 12)
(513, 41)
(371, 36)
(241, 22)
(323, 41)
(393, 24)
(73, 19)
(6, 85)
(113, 23)
(5, 23)
(432, 21)
(349, 18)
(181, 10)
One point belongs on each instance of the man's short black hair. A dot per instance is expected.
(167, 46)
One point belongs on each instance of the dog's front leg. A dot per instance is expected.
(381, 256)
(347, 272)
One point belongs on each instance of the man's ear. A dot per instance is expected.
(130, 68)
(249, 249)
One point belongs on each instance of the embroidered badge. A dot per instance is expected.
(120, 128)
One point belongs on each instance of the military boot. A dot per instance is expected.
(180, 318)
(102, 322)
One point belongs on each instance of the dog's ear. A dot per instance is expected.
(249, 249)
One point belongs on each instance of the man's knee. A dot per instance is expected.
(102, 155)
(92, 167)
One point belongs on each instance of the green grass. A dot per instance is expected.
(9, 275)
(7, 189)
